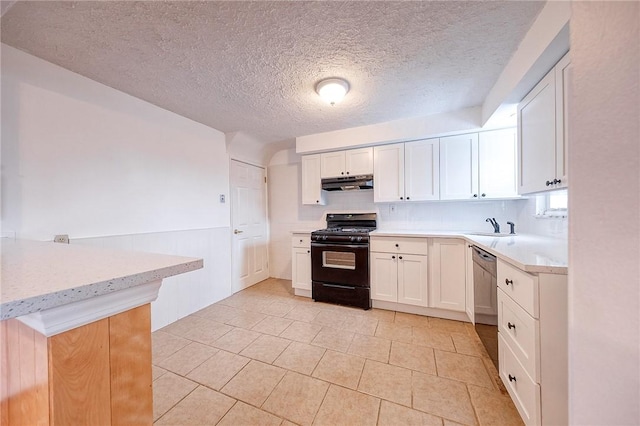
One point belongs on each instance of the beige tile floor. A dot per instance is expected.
(266, 357)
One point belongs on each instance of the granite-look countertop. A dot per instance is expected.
(41, 275)
(529, 253)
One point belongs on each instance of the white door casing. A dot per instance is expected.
(248, 225)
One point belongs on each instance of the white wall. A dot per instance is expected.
(286, 213)
(604, 225)
(454, 122)
(82, 159)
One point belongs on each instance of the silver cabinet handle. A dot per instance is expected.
(235, 231)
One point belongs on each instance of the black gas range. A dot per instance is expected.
(340, 260)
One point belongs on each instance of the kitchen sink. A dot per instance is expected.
(491, 234)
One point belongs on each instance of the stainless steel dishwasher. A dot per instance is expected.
(485, 295)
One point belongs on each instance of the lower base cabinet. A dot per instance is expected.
(398, 268)
(447, 282)
(532, 343)
(301, 264)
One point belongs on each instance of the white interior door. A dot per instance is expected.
(249, 225)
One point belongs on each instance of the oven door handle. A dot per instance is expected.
(349, 246)
(339, 286)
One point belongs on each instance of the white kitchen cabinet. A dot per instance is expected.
(497, 164)
(562, 69)
(478, 165)
(407, 171)
(352, 162)
(412, 279)
(301, 264)
(422, 170)
(311, 182)
(388, 173)
(448, 266)
(532, 343)
(384, 276)
(542, 130)
(399, 270)
(459, 167)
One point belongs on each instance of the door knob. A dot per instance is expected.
(235, 231)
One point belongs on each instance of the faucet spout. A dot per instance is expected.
(513, 228)
(494, 223)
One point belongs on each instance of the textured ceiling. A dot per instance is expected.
(252, 66)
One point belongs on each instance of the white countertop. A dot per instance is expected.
(41, 275)
(530, 253)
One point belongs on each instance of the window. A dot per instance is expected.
(552, 204)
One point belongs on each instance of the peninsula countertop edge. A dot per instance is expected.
(37, 276)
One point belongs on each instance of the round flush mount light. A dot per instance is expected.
(332, 90)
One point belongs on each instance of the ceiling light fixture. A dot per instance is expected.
(332, 90)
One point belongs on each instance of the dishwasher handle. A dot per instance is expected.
(483, 254)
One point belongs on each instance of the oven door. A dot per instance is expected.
(346, 264)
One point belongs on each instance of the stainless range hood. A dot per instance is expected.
(348, 183)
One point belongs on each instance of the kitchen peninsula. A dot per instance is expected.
(75, 336)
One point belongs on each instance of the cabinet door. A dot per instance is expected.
(412, 279)
(537, 137)
(422, 170)
(459, 167)
(388, 173)
(301, 268)
(447, 285)
(359, 161)
(497, 163)
(384, 276)
(311, 185)
(562, 71)
(333, 164)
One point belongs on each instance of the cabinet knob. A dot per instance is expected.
(557, 181)
(400, 257)
(507, 281)
(393, 257)
(308, 251)
(402, 198)
(549, 183)
(397, 245)
(342, 173)
(511, 325)
(475, 195)
(512, 378)
(300, 240)
(407, 198)
(484, 195)
(347, 172)
(317, 201)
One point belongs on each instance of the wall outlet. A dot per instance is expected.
(392, 209)
(64, 239)
(222, 198)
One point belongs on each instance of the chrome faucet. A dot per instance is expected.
(494, 223)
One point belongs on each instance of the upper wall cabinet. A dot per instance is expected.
(352, 162)
(406, 172)
(542, 130)
(497, 164)
(477, 166)
(311, 185)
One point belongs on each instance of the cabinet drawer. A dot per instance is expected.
(524, 392)
(520, 286)
(301, 240)
(521, 332)
(418, 246)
